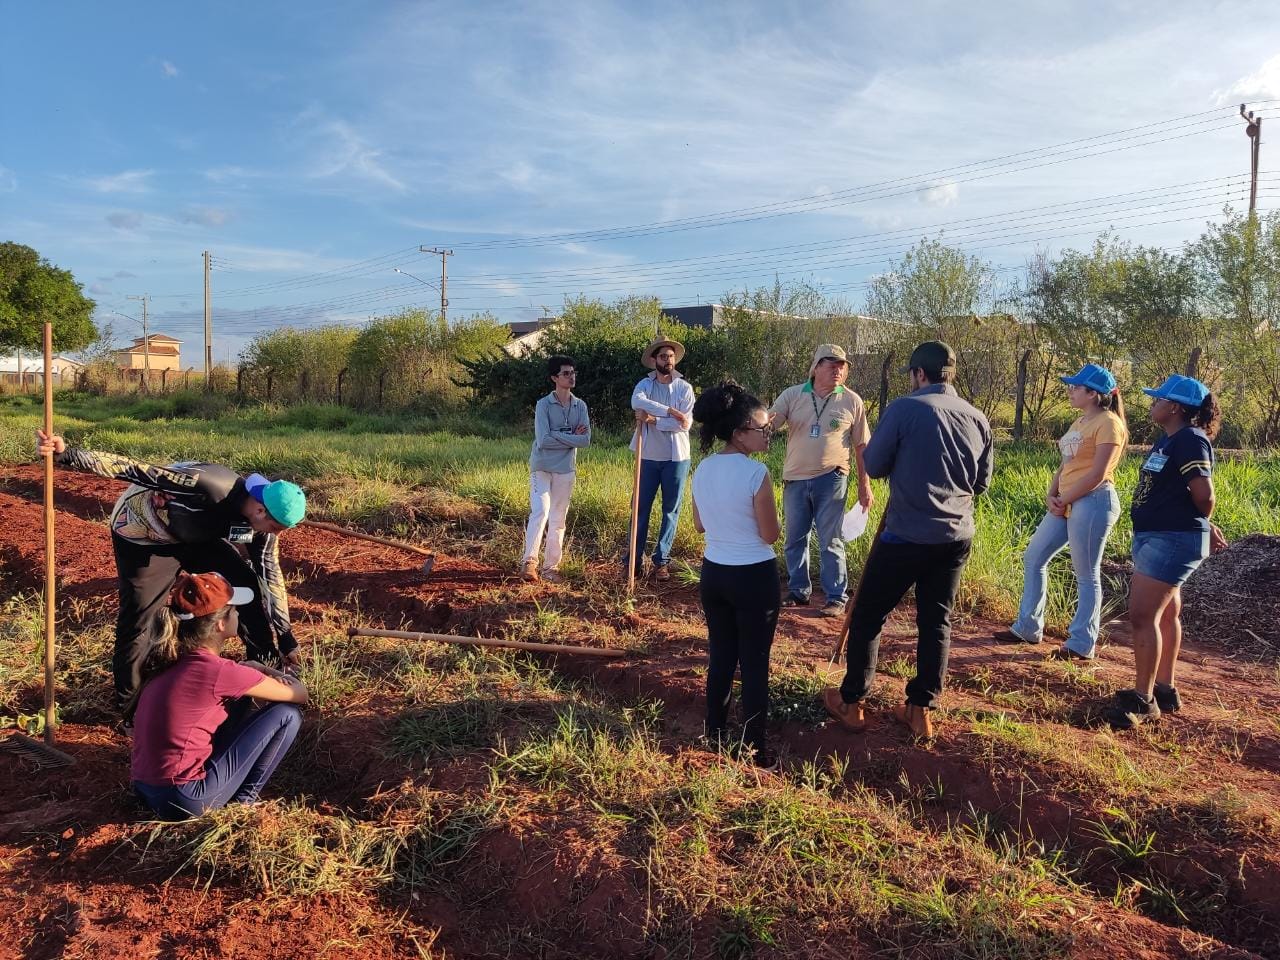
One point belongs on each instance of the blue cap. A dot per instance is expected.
(1096, 378)
(285, 501)
(1187, 391)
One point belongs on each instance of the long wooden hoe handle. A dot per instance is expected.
(361, 535)
(853, 597)
(50, 736)
(485, 642)
(635, 510)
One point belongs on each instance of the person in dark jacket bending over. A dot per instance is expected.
(935, 448)
(190, 516)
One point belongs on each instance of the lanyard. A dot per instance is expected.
(817, 414)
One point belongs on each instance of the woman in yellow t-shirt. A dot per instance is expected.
(1082, 509)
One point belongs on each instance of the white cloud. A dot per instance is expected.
(337, 149)
(1262, 84)
(99, 289)
(128, 181)
(206, 216)
(229, 172)
(125, 220)
(168, 69)
(8, 181)
(942, 194)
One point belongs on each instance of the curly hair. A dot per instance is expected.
(720, 411)
(1207, 416)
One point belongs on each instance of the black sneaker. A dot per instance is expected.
(1167, 698)
(1129, 709)
(791, 600)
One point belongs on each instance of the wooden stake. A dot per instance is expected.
(635, 510)
(49, 724)
(485, 642)
(361, 535)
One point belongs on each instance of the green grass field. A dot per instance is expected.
(357, 467)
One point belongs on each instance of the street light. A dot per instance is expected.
(419, 279)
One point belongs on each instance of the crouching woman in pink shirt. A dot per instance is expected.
(199, 740)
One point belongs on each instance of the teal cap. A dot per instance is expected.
(285, 501)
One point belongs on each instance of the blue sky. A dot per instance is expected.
(295, 141)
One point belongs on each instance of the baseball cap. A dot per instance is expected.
(827, 351)
(285, 501)
(1096, 378)
(931, 355)
(200, 594)
(1187, 391)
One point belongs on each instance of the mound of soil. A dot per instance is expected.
(1233, 599)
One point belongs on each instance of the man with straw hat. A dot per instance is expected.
(193, 517)
(663, 402)
(826, 424)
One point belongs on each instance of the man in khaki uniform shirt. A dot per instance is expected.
(826, 424)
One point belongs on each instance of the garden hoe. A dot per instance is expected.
(46, 754)
(427, 564)
(853, 596)
(641, 420)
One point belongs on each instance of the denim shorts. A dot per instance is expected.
(1169, 556)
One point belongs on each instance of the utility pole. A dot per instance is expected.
(146, 340)
(444, 256)
(1253, 130)
(208, 329)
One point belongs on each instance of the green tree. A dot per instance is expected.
(33, 291)
(1239, 268)
(940, 292)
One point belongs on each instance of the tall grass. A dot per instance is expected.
(486, 463)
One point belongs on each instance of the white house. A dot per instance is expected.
(64, 368)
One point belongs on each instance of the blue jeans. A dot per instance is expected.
(1170, 556)
(669, 476)
(247, 748)
(816, 503)
(1086, 531)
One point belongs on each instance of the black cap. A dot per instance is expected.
(931, 355)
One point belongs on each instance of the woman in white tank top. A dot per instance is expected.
(733, 505)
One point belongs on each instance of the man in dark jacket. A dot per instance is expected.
(192, 517)
(936, 450)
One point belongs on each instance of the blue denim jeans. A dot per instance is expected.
(1086, 531)
(669, 476)
(806, 505)
(247, 748)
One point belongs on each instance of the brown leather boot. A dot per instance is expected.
(529, 571)
(851, 716)
(916, 719)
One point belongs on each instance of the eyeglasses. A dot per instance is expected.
(567, 373)
(767, 430)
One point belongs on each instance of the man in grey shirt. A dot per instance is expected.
(560, 429)
(936, 450)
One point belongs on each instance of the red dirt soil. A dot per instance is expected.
(70, 891)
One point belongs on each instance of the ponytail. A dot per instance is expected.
(1112, 401)
(1208, 416)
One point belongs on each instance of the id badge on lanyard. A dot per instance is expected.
(240, 534)
(815, 432)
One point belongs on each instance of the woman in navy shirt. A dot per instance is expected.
(1172, 534)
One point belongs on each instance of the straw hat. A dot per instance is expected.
(658, 344)
(827, 351)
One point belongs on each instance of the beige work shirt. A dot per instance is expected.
(841, 423)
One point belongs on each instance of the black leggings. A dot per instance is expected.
(146, 577)
(741, 606)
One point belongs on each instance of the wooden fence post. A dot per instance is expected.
(1193, 362)
(342, 375)
(270, 377)
(304, 383)
(884, 384)
(240, 380)
(382, 377)
(186, 380)
(164, 380)
(1020, 403)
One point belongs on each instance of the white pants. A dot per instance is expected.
(548, 506)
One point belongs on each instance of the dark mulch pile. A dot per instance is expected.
(1233, 599)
